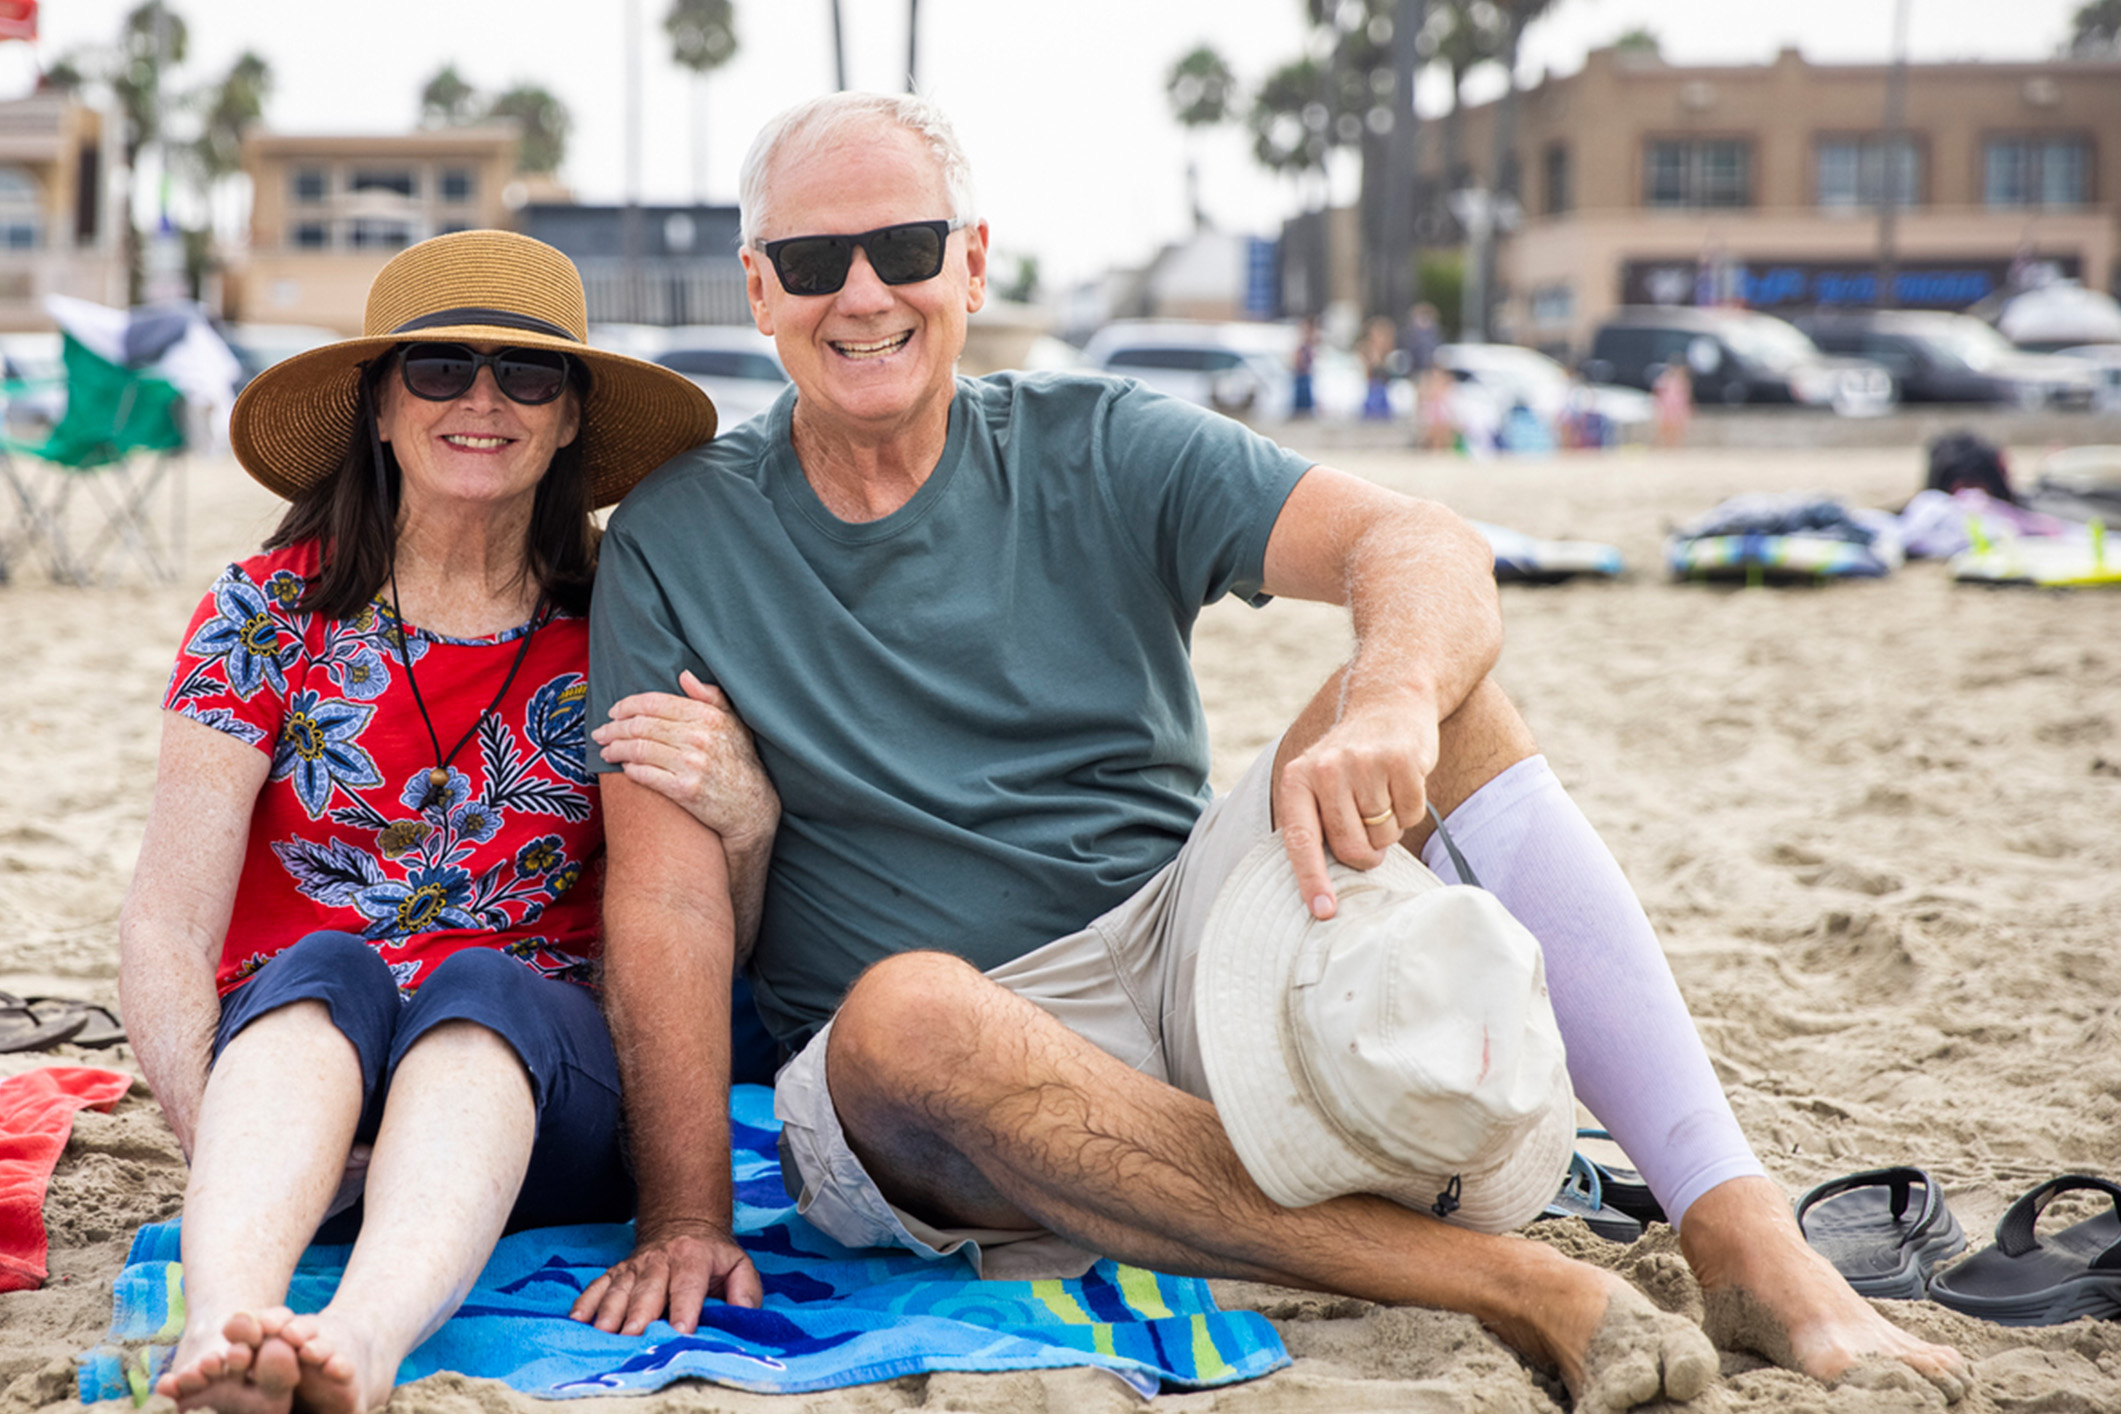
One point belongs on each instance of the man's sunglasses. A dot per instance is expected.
(905, 254)
(440, 372)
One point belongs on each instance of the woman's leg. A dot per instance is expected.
(282, 1108)
(448, 1162)
(502, 1112)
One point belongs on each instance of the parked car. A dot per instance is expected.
(2105, 360)
(1509, 374)
(1241, 369)
(1734, 356)
(736, 365)
(1937, 357)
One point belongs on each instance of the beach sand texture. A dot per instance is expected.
(1877, 824)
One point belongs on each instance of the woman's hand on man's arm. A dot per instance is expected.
(695, 750)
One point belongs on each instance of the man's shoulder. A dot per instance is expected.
(1077, 402)
(731, 465)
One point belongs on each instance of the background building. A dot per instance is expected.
(328, 212)
(684, 267)
(59, 227)
(1643, 182)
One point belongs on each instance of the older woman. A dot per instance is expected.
(359, 943)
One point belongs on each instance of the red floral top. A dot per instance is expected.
(339, 838)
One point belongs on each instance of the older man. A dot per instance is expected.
(955, 613)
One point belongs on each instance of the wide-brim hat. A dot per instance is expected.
(1405, 1047)
(291, 426)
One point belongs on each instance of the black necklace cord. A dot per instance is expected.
(438, 777)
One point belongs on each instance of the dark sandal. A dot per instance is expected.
(100, 1026)
(1623, 1187)
(1862, 1225)
(1582, 1196)
(2025, 1280)
(23, 1030)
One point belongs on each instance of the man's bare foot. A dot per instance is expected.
(238, 1369)
(1766, 1291)
(338, 1374)
(1615, 1350)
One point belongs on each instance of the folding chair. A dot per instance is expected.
(119, 442)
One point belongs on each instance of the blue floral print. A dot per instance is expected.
(556, 726)
(247, 636)
(318, 747)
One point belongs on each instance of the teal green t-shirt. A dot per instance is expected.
(979, 711)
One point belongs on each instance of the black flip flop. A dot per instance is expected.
(23, 1030)
(1623, 1187)
(2026, 1281)
(1582, 1196)
(1862, 1225)
(100, 1026)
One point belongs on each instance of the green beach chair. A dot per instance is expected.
(119, 444)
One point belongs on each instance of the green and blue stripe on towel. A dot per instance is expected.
(832, 1316)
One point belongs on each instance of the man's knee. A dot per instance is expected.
(908, 1022)
(1478, 742)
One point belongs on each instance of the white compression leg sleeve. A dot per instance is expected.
(1634, 1055)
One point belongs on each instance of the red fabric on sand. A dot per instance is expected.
(36, 1114)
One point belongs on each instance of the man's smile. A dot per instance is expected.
(873, 348)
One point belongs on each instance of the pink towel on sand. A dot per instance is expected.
(36, 1114)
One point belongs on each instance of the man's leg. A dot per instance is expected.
(971, 1107)
(1634, 1055)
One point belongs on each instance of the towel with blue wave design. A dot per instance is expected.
(833, 1316)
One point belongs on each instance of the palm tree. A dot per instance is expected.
(447, 100)
(546, 123)
(702, 39)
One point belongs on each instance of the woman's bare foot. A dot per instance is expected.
(1615, 1350)
(1766, 1291)
(238, 1369)
(338, 1368)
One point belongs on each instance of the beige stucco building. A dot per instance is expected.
(327, 212)
(59, 226)
(1642, 181)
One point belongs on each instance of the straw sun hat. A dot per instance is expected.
(292, 423)
(1405, 1047)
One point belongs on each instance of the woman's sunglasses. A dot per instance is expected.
(905, 254)
(440, 372)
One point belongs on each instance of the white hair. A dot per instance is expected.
(810, 127)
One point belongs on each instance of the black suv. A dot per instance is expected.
(1953, 358)
(1734, 356)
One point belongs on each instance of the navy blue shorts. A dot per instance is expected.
(577, 1162)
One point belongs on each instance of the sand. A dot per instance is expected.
(1877, 824)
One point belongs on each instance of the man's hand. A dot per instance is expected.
(677, 1266)
(1356, 790)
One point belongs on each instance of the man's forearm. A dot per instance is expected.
(667, 996)
(1428, 623)
(669, 949)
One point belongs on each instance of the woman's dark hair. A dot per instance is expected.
(356, 524)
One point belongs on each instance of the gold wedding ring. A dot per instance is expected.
(1383, 816)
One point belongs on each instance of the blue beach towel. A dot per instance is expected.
(833, 1316)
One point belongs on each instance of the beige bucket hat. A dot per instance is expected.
(291, 424)
(1405, 1047)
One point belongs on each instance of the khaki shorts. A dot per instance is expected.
(1125, 983)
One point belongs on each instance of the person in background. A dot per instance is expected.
(1302, 363)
